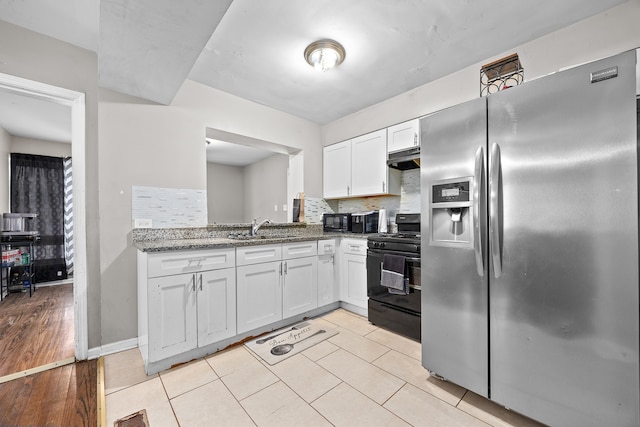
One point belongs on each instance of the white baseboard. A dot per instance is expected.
(111, 348)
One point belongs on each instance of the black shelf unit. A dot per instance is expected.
(10, 241)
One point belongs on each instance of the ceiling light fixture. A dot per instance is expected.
(324, 54)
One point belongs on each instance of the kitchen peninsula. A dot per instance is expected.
(203, 289)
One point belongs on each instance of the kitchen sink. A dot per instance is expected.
(259, 237)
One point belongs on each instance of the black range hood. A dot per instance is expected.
(405, 159)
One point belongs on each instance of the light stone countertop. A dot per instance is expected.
(215, 237)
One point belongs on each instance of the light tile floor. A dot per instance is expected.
(362, 376)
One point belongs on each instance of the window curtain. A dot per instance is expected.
(37, 186)
(68, 215)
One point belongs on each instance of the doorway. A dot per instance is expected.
(32, 90)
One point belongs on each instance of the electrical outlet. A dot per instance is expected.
(275, 208)
(59, 273)
(284, 208)
(142, 223)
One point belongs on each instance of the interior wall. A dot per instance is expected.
(36, 57)
(146, 144)
(265, 189)
(40, 147)
(5, 149)
(224, 184)
(609, 33)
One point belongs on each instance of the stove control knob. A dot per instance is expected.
(382, 244)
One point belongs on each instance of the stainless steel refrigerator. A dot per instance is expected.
(530, 246)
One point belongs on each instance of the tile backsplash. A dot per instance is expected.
(168, 207)
(175, 208)
(407, 202)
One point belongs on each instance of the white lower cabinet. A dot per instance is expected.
(216, 306)
(300, 286)
(300, 278)
(172, 303)
(276, 290)
(353, 272)
(189, 300)
(193, 310)
(259, 296)
(180, 312)
(327, 280)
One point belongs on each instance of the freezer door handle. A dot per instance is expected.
(477, 232)
(494, 206)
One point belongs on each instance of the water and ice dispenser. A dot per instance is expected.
(451, 213)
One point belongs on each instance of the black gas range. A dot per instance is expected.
(396, 308)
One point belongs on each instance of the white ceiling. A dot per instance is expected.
(254, 48)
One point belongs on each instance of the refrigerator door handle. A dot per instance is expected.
(494, 205)
(477, 232)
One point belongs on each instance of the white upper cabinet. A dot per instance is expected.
(369, 171)
(336, 170)
(404, 135)
(358, 167)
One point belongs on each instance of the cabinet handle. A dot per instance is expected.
(348, 191)
(383, 184)
(285, 268)
(193, 287)
(200, 282)
(281, 269)
(415, 139)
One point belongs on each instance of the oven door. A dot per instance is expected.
(377, 292)
(396, 313)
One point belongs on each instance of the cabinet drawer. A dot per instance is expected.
(299, 249)
(169, 263)
(327, 247)
(354, 246)
(257, 254)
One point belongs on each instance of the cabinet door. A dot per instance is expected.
(336, 170)
(216, 305)
(402, 136)
(369, 170)
(259, 295)
(353, 280)
(300, 289)
(326, 280)
(172, 315)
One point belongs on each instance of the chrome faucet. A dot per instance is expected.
(255, 226)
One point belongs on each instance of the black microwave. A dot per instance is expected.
(339, 222)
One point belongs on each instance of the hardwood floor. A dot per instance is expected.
(37, 330)
(64, 396)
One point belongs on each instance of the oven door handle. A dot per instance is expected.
(407, 258)
(410, 259)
